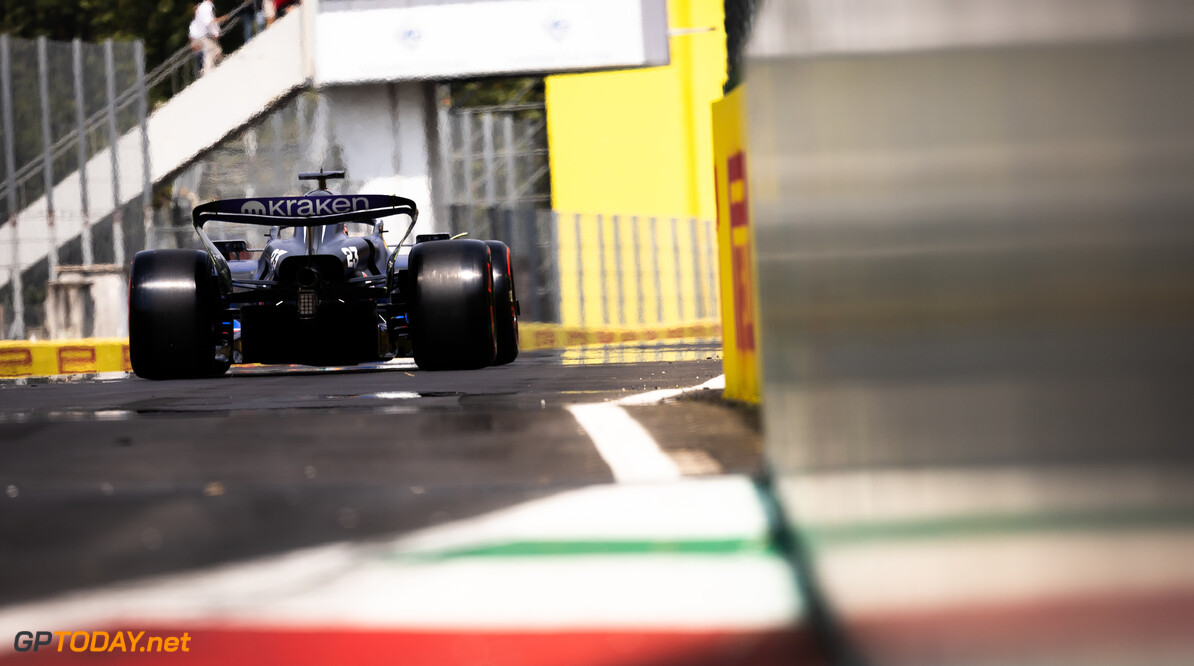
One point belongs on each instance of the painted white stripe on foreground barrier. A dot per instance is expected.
(401, 584)
(725, 507)
(335, 587)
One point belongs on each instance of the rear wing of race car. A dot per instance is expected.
(301, 212)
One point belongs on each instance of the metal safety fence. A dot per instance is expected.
(63, 105)
(603, 270)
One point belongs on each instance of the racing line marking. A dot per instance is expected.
(652, 397)
(629, 450)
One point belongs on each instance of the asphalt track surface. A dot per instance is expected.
(107, 479)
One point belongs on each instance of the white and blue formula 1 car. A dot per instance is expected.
(316, 294)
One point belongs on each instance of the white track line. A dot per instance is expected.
(629, 450)
(652, 397)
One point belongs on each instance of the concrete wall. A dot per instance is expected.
(382, 131)
(87, 302)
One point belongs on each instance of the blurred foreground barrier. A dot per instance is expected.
(975, 241)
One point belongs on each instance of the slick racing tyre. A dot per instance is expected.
(173, 307)
(451, 305)
(505, 304)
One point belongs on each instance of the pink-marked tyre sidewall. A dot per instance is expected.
(451, 314)
(505, 303)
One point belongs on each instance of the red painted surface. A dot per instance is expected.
(76, 358)
(545, 339)
(744, 319)
(236, 647)
(16, 362)
(741, 258)
(736, 171)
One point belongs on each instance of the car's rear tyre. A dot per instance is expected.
(505, 303)
(173, 306)
(451, 305)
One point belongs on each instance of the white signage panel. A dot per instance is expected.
(488, 38)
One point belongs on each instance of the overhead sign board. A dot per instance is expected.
(357, 42)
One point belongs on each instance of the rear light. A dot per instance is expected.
(308, 301)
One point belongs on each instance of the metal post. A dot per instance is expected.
(550, 239)
(658, 273)
(580, 269)
(638, 272)
(530, 237)
(114, 138)
(601, 263)
(511, 160)
(143, 121)
(447, 184)
(304, 133)
(81, 130)
(466, 162)
(275, 124)
(676, 260)
(710, 267)
(618, 270)
(508, 229)
(47, 160)
(699, 293)
(10, 158)
(488, 156)
(253, 173)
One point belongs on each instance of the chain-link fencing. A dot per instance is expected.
(63, 106)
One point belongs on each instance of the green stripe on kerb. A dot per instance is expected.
(602, 547)
(980, 526)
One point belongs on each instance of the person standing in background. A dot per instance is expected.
(195, 34)
(205, 14)
(254, 20)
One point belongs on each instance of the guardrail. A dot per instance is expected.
(102, 355)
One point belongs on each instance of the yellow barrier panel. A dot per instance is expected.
(533, 335)
(21, 358)
(68, 357)
(736, 244)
